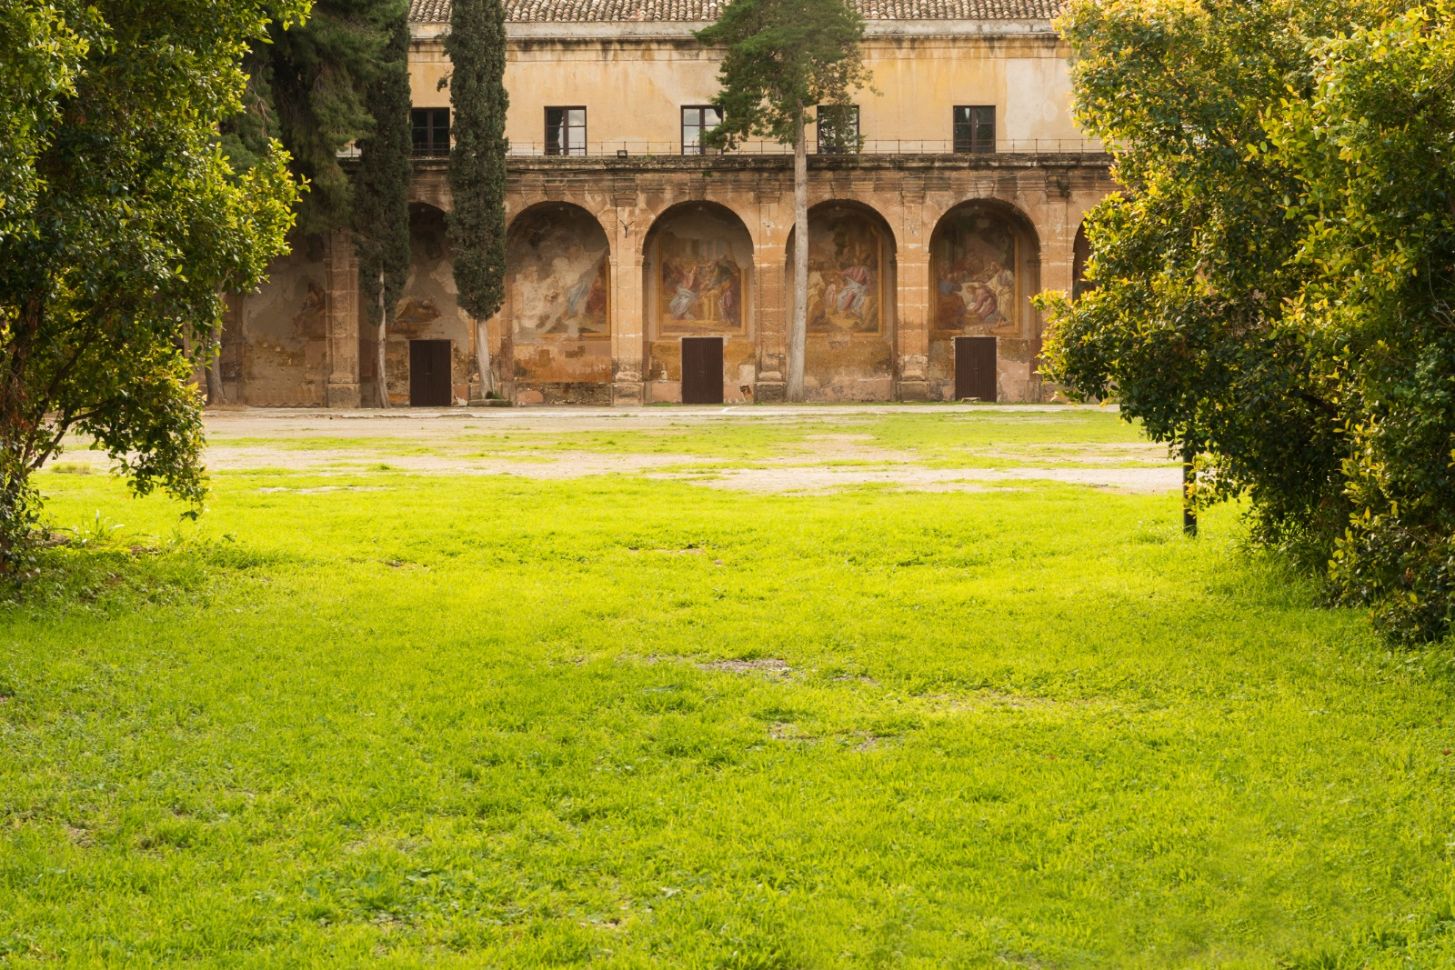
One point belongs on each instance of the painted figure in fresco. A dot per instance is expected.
(843, 277)
(558, 284)
(729, 290)
(685, 298)
(853, 289)
(701, 292)
(585, 302)
(975, 278)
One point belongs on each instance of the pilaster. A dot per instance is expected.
(341, 310)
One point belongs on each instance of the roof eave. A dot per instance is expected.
(678, 30)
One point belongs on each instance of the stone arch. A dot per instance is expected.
(430, 188)
(852, 311)
(985, 263)
(428, 309)
(698, 281)
(1080, 254)
(557, 315)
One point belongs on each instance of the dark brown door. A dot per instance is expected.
(975, 368)
(429, 374)
(701, 370)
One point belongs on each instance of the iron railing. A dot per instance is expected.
(652, 149)
(897, 146)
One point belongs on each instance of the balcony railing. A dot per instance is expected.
(652, 149)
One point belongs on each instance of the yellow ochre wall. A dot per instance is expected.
(634, 86)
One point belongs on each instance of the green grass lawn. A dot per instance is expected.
(390, 718)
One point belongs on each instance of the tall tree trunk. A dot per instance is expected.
(798, 327)
(482, 358)
(381, 377)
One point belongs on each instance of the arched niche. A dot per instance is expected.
(1080, 255)
(697, 285)
(558, 275)
(697, 272)
(985, 261)
(850, 270)
(985, 267)
(851, 303)
(428, 309)
(557, 311)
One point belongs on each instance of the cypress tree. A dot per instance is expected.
(476, 48)
(381, 194)
(306, 88)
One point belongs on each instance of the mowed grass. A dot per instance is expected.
(380, 718)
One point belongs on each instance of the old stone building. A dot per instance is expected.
(641, 269)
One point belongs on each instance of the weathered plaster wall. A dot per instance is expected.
(697, 281)
(428, 310)
(277, 335)
(634, 86)
(985, 267)
(851, 303)
(558, 306)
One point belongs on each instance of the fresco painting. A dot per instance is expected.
(845, 273)
(559, 277)
(701, 287)
(975, 275)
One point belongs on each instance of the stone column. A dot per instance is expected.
(913, 335)
(341, 311)
(770, 278)
(1057, 230)
(913, 320)
(627, 317)
(1055, 226)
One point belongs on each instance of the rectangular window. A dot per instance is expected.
(696, 121)
(431, 130)
(974, 128)
(838, 129)
(566, 131)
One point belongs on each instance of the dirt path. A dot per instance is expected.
(813, 456)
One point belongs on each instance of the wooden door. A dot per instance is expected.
(429, 374)
(701, 370)
(975, 368)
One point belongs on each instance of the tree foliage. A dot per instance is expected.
(783, 59)
(1271, 289)
(476, 48)
(307, 88)
(123, 220)
(381, 193)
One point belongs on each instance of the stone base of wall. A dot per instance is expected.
(341, 396)
(563, 392)
(627, 393)
(770, 392)
(913, 391)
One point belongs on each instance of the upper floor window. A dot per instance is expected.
(974, 128)
(431, 130)
(566, 131)
(838, 129)
(697, 120)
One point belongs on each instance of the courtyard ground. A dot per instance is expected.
(740, 687)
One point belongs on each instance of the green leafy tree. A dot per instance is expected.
(307, 88)
(127, 223)
(783, 59)
(40, 56)
(381, 195)
(476, 48)
(1268, 288)
(1373, 145)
